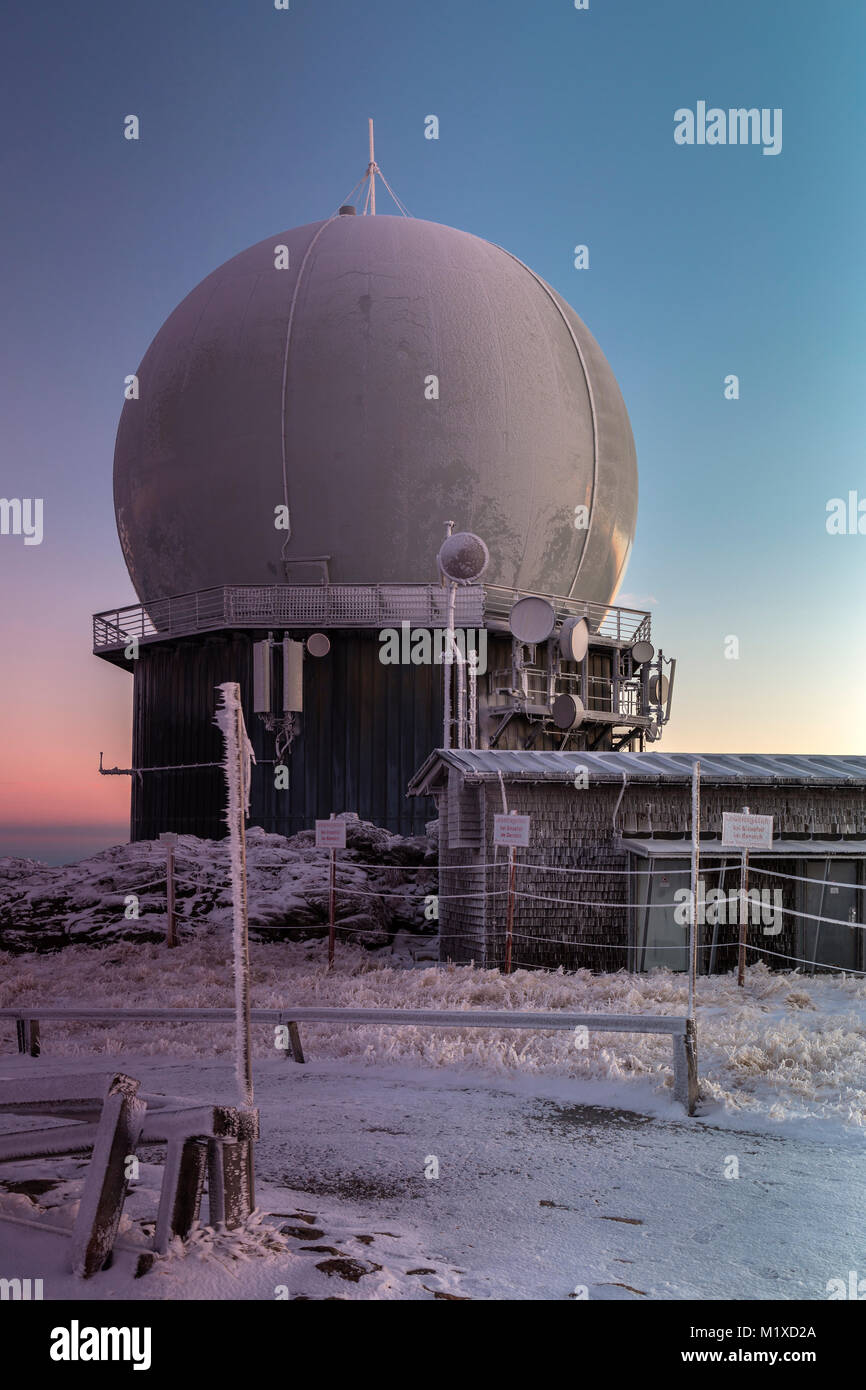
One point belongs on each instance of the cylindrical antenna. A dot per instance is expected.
(473, 698)
(461, 691)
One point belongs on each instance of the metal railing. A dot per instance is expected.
(680, 1030)
(605, 620)
(341, 606)
(601, 694)
(286, 606)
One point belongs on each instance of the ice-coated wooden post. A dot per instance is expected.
(236, 766)
(695, 885)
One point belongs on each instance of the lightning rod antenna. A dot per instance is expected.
(372, 170)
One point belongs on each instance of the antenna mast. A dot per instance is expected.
(369, 178)
(372, 170)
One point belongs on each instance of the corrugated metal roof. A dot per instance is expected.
(746, 768)
(784, 849)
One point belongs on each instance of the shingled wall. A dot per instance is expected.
(573, 828)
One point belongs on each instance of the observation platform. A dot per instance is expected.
(343, 606)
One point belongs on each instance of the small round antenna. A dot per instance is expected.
(463, 557)
(318, 644)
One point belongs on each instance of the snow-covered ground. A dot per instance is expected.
(544, 1190)
(403, 1163)
(786, 1046)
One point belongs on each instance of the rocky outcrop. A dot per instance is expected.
(382, 883)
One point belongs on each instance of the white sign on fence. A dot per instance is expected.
(330, 834)
(740, 831)
(511, 830)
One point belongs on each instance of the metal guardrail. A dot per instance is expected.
(600, 693)
(286, 606)
(681, 1030)
(624, 625)
(340, 606)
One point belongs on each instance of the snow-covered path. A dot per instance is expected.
(539, 1191)
(537, 1196)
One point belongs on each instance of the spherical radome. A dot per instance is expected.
(397, 375)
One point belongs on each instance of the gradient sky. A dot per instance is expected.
(556, 128)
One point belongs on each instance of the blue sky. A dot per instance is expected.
(556, 128)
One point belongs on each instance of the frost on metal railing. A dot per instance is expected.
(347, 605)
(604, 619)
(286, 605)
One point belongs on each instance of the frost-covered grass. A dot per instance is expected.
(787, 1045)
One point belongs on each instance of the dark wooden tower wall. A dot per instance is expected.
(365, 728)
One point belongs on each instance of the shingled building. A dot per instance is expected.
(610, 844)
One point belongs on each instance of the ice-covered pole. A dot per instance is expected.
(473, 699)
(695, 885)
(447, 663)
(236, 765)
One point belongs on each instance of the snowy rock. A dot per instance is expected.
(382, 881)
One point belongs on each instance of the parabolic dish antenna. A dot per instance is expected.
(567, 711)
(532, 619)
(574, 639)
(318, 644)
(463, 557)
(658, 689)
(641, 652)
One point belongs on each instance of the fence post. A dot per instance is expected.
(691, 1041)
(696, 868)
(99, 1211)
(27, 1030)
(332, 927)
(169, 840)
(509, 927)
(744, 912)
(295, 1043)
(236, 767)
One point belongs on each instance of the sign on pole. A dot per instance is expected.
(511, 830)
(330, 834)
(744, 831)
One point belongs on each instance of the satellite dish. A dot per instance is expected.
(641, 652)
(463, 557)
(658, 688)
(574, 639)
(567, 711)
(532, 619)
(318, 644)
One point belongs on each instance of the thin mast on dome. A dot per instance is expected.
(371, 174)
(369, 178)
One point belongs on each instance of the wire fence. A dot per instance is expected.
(493, 875)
